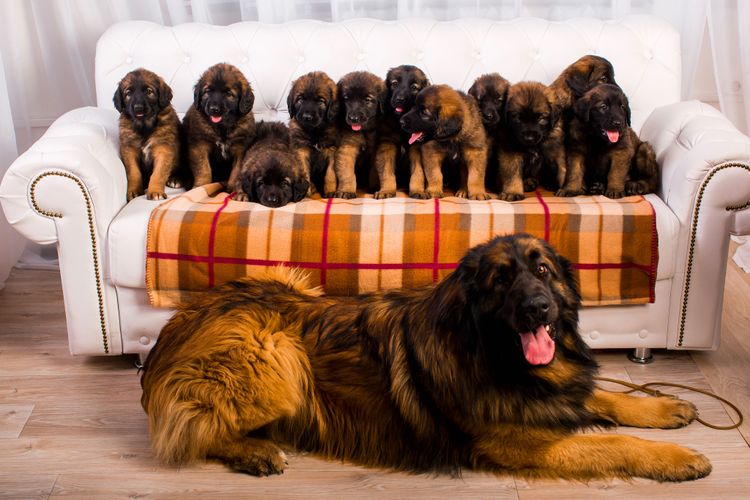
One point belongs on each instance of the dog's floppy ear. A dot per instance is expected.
(582, 108)
(382, 98)
(448, 126)
(299, 188)
(197, 94)
(247, 99)
(118, 99)
(248, 185)
(578, 84)
(290, 102)
(627, 107)
(165, 94)
(332, 113)
(474, 90)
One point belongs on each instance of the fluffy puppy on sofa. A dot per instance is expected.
(270, 174)
(532, 144)
(393, 149)
(491, 92)
(363, 96)
(448, 124)
(579, 77)
(219, 126)
(604, 153)
(313, 127)
(149, 134)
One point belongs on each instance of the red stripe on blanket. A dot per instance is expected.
(436, 243)
(212, 239)
(540, 198)
(324, 243)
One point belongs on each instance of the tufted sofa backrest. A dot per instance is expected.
(644, 50)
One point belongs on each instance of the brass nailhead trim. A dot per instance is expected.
(693, 229)
(92, 233)
(737, 208)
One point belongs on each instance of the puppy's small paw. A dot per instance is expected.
(596, 188)
(419, 195)
(156, 195)
(569, 192)
(435, 194)
(635, 187)
(174, 183)
(347, 195)
(240, 196)
(381, 195)
(506, 196)
(462, 193)
(530, 184)
(479, 196)
(614, 193)
(134, 193)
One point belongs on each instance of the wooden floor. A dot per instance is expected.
(73, 426)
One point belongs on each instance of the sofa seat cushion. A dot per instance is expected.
(406, 228)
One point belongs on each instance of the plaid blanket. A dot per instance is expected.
(203, 237)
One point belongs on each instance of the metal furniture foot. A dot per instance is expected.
(641, 355)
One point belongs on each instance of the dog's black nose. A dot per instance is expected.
(536, 306)
(616, 123)
(489, 116)
(214, 109)
(308, 117)
(139, 108)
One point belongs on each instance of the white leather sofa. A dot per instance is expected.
(68, 189)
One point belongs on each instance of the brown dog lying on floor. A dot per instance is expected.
(313, 126)
(448, 125)
(363, 97)
(149, 133)
(604, 153)
(219, 126)
(270, 174)
(491, 92)
(403, 83)
(484, 370)
(532, 143)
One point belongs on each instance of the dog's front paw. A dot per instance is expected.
(569, 192)
(419, 195)
(435, 193)
(347, 195)
(614, 193)
(479, 196)
(462, 193)
(240, 196)
(596, 188)
(261, 462)
(173, 182)
(508, 196)
(635, 188)
(381, 195)
(156, 195)
(530, 184)
(134, 193)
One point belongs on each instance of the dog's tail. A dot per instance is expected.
(644, 174)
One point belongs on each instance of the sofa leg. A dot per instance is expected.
(641, 355)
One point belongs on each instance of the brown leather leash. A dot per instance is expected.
(652, 392)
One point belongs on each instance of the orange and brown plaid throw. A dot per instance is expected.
(203, 237)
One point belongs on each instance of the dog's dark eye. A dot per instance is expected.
(622, 107)
(259, 182)
(149, 91)
(499, 99)
(424, 113)
(542, 270)
(394, 83)
(346, 97)
(369, 99)
(603, 79)
(543, 121)
(603, 107)
(415, 87)
(228, 93)
(286, 182)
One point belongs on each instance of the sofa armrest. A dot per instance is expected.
(66, 189)
(705, 180)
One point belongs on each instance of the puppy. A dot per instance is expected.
(149, 133)
(532, 144)
(313, 109)
(393, 150)
(580, 77)
(219, 126)
(491, 91)
(270, 174)
(604, 152)
(363, 96)
(449, 126)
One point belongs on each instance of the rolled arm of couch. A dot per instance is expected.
(705, 181)
(66, 189)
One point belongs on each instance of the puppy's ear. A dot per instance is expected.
(578, 84)
(627, 108)
(197, 94)
(332, 113)
(582, 108)
(448, 126)
(299, 189)
(247, 99)
(118, 99)
(474, 90)
(382, 99)
(249, 186)
(165, 94)
(290, 102)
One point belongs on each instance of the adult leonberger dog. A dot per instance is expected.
(149, 134)
(484, 370)
(605, 155)
(219, 126)
(532, 144)
(313, 106)
(580, 77)
(491, 92)
(394, 152)
(270, 174)
(363, 97)
(448, 125)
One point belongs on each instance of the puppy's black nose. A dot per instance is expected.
(139, 108)
(616, 123)
(489, 116)
(308, 117)
(354, 118)
(536, 306)
(213, 109)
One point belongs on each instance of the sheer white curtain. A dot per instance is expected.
(47, 47)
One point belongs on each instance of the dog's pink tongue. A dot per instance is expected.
(399, 109)
(356, 127)
(216, 119)
(613, 136)
(415, 137)
(538, 346)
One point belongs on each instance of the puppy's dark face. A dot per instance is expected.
(490, 91)
(363, 96)
(313, 100)
(272, 183)
(141, 95)
(223, 94)
(523, 292)
(437, 114)
(530, 113)
(606, 110)
(404, 83)
(588, 72)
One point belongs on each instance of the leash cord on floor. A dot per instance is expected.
(645, 389)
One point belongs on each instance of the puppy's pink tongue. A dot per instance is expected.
(399, 109)
(415, 137)
(216, 119)
(538, 346)
(356, 127)
(613, 136)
